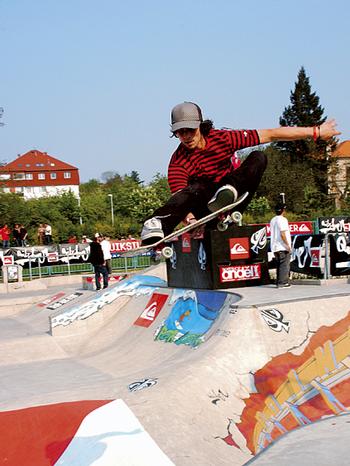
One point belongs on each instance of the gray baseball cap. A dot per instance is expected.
(186, 115)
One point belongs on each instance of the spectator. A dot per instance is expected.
(97, 260)
(16, 232)
(5, 235)
(85, 239)
(41, 234)
(23, 236)
(47, 233)
(72, 239)
(281, 245)
(106, 248)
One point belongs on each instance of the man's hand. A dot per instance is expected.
(328, 130)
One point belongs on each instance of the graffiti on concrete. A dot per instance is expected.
(275, 320)
(141, 384)
(135, 286)
(228, 439)
(152, 310)
(191, 316)
(64, 301)
(296, 390)
(217, 396)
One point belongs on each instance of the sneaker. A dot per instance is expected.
(224, 196)
(284, 285)
(152, 231)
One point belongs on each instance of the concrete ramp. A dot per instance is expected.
(207, 377)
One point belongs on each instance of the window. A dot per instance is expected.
(39, 164)
(29, 176)
(41, 176)
(67, 175)
(18, 176)
(5, 176)
(53, 176)
(18, 189)
(27, 164)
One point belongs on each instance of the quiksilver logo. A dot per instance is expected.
(238, 249)
(150, 311)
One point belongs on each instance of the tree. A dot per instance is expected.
(305, 110)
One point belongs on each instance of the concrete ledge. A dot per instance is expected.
(320, 281)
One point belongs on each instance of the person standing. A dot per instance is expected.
(47, 234)
(16, 233)
(97, 260)
(281, 245)
(23, 235)
(106, 248)
(40, 234)
(5, 234)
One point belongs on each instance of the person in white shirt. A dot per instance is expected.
(47, 234)
(106, 249)
(281, 245)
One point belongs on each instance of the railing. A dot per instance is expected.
(119, 264)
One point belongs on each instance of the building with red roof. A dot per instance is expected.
(339, 175)
(36, 174)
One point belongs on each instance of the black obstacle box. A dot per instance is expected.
(234, 258)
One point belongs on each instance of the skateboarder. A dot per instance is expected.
(204, 173)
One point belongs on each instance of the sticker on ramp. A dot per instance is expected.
(64, 301)
(141, 384)
(275, 320)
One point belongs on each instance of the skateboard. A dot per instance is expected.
(223, 223)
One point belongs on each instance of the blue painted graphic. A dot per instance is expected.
(191, 316)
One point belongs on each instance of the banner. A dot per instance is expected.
(307, 255)
(295, 228)
(339, 248)
(333, 224)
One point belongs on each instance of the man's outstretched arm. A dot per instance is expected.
(327, 130)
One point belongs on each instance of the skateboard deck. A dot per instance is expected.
(235, 217)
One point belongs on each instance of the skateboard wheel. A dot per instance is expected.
(221, 226)
(167, 252)
(236, 217)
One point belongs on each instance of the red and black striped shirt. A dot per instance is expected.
(212, 162)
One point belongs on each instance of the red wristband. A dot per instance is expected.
(315, 134)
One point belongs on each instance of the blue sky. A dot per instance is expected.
(93, 82)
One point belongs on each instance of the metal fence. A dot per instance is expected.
(119, 264)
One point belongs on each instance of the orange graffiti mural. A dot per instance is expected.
(296, 390)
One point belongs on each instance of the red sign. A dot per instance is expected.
(52, 257)
(239, 248)
(237, 273)
(295, 228)
(153, 308)
(8, 260)
(186, 242)
(125, 245)
(315, 257)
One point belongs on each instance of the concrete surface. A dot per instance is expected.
(200, 404)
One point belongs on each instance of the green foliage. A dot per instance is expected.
(259, 206)
(305, 110)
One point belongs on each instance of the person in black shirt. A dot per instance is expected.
(97, 260)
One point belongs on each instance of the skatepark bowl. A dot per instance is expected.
(142, 374)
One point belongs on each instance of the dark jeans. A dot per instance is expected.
(282, 267)
(101, 270)
(109, 266)
(195, 197)
(47, 239)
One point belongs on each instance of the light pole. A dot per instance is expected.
(112, 213)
